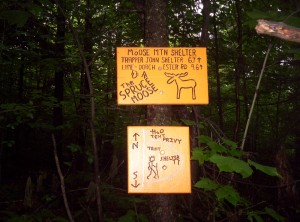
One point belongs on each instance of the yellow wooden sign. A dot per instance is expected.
(161, 76)
(158, 159)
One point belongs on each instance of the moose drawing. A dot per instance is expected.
(182, 83)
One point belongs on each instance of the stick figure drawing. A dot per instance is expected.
(152, 168)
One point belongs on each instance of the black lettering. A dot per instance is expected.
(142, 84)
(145, 93)
(152, 131)
(127, 91)
(135, 174)
(132, 88)
(135, 145)
(134, 99)
(140, 96)
(139, 87)
(138, 52)
(150, 90)
(160, 52)
(121, 93)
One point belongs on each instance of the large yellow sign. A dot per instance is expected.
(158, 159)
(161, 76)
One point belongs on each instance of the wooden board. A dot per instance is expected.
(148, 76)
(158, 159)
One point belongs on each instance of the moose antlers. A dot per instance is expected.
(182, 83)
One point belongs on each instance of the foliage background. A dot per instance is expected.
(43, 90)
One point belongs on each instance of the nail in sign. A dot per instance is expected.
(158, 159)
(147, 75)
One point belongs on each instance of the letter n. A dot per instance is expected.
(135, 145)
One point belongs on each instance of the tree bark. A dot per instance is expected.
(156, 34)
(238, 70)
(139, 6)
(88, 49)
(1, 154)
(92, 108)
(59, 76)
(205, 25)
(219, 96)
(194, 115)
(297, 144)
(83, 108)
(21, 81)
(278, 29)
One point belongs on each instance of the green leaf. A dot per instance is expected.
(296, 53)
(272, 15)
(256, 216)
(204, 139)
(8, 143)
(188, 122)
(74, 148)
(293, 21)
(229, 143)
(271, 171)
(216, 148)
(128, 217)
(45, 2)
(206, 184)
(235, 153)
(16, 17)
(198, 154)
(231, 164)
(142, 218)
(23, 218)
(90, 157)
(201, 125)
(228, 193)
(274, 214)
(257, 14)
(175, 123)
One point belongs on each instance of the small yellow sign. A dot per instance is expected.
(158, 159)
(149, 76)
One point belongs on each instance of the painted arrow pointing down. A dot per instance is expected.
(136, 184)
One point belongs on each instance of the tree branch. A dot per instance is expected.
(92, 115)
(278, 29)
(62, 181)
(255, 96)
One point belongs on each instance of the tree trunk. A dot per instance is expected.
(156, 34)
(83, 108)
(1, 153)
(296, 120)
(21, 81)
(297, 147)
(219, 97)
(59, 76)
(194, 131)
(238, 70)
(205, 25)
(87, 60)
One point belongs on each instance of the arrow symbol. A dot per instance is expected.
(135, 136)
(136, 184)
